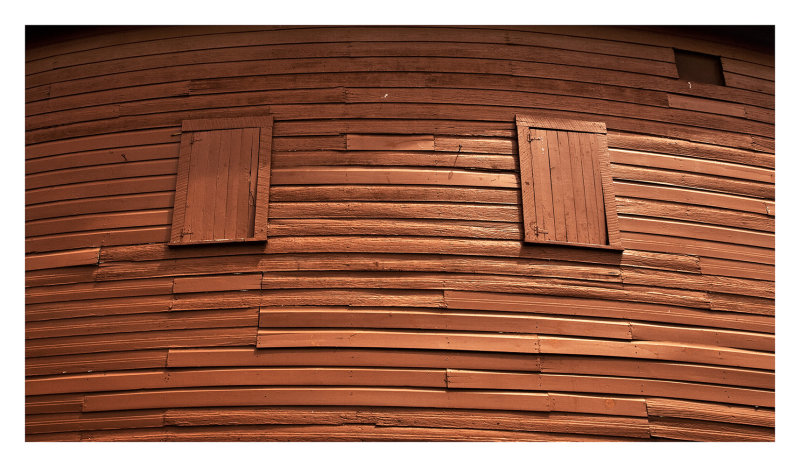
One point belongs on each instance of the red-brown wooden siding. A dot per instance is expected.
(395, 298)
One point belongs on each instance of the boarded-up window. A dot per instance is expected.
(222, 192)
(567, 195)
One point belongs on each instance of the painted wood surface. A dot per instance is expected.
(222, 188)
(395, 298)
(566, 183)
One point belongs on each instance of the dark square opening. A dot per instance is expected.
(702, 68)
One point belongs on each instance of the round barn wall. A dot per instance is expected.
(398, 294)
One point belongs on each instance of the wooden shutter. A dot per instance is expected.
(567, 193)
(222, 192)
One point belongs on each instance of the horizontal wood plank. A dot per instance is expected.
(62, 259)
(520, 343)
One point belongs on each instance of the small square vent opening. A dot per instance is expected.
(700, 68)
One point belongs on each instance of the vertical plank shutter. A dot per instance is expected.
(222, 191)
(565, 179)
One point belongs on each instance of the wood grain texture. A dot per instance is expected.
(70, 422)
(705, 105)
(191, 319)
(397, 339)
(567, 193)
(561, 124)
(528, 198)
(451, 320)
(681, 429)
(603, 385)
(222, 192)
(236, 377)
(108, 361)
(395, 397)
(414, 287)
(712, 412)
(454, 418)
(653, 369)
(361, 357)
(346, 432)
(62, 259)
(581, 306)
